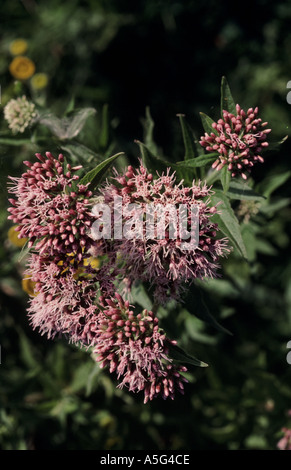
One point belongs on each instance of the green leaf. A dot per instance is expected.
(227, 102)
(272, 182)
(152, 162)
(207, 124)
(188, 138)
(242, 191)
(249, 239)
(67, 127)
(195, 304)
(276, 145)
(27, 352)
(225, 176)
(79, 153)
(179, 355)
(198, 162)
(78, 121)
(227, 221)
(155, 164)
(95, 176)
(71, 105)
(148, 128)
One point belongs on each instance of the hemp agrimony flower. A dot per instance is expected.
(48, 212)
(239, 140)
(137, 350)
(163, 261)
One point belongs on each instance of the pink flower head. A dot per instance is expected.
(163, 261)
(137, 350)
(239, 140)
(53, 216)
(64, 300)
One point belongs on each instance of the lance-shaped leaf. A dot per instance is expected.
(155, 164)
(79, 153)
(207, 124)
(243, 192)
(179, 355)
(198, 162)
(152, 162)
(225, 176)
(227, 102)
(195, 304)
(188, 138)
(271, 183)
(227, 221)
(95, 176)
(148, 130)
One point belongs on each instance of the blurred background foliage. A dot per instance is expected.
(119, 57)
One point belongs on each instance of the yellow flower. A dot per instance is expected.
(18, 47)
(93, 262)
(13, 237)
(21, 68)
(39, 81)
(28, 286)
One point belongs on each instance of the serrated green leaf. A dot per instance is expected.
(188, 138)
(227, 221)
(179, 355)
(95, 176)
(242, 191)
(227, 102)
(195, 304)
(207, 124)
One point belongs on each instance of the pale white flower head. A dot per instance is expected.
(19, 113)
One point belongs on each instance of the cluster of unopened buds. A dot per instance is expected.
(238, 140)
(137, 349)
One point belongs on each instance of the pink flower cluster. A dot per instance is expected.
(239, 141)
(75, 297)
(50, 214)
(163, 263)
(136, 348)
